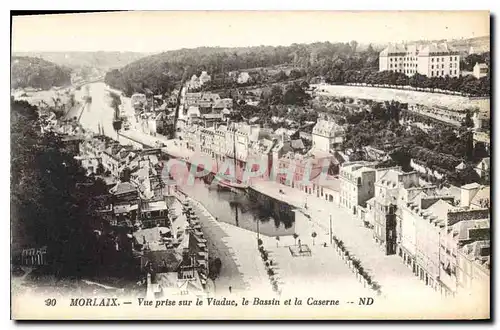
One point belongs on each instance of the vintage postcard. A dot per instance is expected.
(313, 165)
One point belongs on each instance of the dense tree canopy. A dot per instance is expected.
(161, 72)
(50, 202)
(37, 73)
(467, 63)
(464, 84)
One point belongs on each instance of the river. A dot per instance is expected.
(248, 210)
(275, 218)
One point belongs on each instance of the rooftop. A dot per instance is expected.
(123, 188)
(435, 48)
(473, 185)
(463, 228)
(485, 161)
(154, 206)
(478, 251)
(441, 209)
(327, 128)
(393, 49)
(482, 197)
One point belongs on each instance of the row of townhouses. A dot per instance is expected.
(244, 143)
(436, 231)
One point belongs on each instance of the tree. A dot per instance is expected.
(467, 122)
(354, 45)
(38, 73)
(125, 175)
(465, 176)
(313, 235)
(214, 269)
(100, 169)
(479, 151)
(52, 196)
(295, 236)
(295, 95)
(276, 95)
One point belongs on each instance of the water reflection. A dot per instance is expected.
(244, 209)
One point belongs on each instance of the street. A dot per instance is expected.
(396, 279)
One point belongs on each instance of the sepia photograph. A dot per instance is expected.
(250, 165)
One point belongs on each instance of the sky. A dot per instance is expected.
(156, 31)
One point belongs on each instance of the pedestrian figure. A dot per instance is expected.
(271, 262)
(230, 289)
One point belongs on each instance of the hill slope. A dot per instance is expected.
(37, 73)
(99, 60)
(161, 71)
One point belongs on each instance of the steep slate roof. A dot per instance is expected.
(440, 209)
(393, 49)
(123, 187)
(327, 128)
(481, 196)
(434, 48)
(486, 162)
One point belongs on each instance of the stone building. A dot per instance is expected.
(432, 60)
(357, 184)
(327, 136)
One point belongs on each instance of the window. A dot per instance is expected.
(455, 58)
(432, 59)
(451, 65)
(432, 73)
(432, 66)
(455, 72)
(390, 59)
(451, 58)
(442, 66)
(442, 72)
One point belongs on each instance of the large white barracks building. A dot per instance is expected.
(432, 60)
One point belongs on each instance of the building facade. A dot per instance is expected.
(327, 136)
(357, 184)
(480, 70)
(432, 60)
